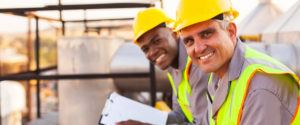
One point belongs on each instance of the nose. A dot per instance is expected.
(151, 55)
(199, 46)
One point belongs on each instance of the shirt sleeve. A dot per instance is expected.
(271, 100)
(262, 108)
(176, 116)
(199, 103)
(198, 120)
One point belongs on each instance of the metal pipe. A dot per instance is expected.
(0, 106)
(29, 57)
(153, 85)
(0, 93)
(29, 100)
(60, 10)
(79, 7)
(81, 76)
(30, 72)
(161, 3)
(250, 37)
(85, 22)
(29, 44)
(61, 18)
(37, 57)
(95, 20)
(63, 23)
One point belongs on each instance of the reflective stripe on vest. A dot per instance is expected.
(183, 88)
(231, 110)
(210, 99)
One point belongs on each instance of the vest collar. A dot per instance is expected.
(237, 61)
(182, 57)
(233, 72)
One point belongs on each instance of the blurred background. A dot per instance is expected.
(60, 60)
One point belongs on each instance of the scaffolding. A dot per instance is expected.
(36, 74)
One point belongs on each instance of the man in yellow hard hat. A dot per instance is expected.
(161, 46)
(246, 86)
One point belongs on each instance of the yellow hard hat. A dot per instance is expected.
(147, 20)
(190, 12)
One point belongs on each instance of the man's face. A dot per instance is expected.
(209, 45)
(160, 47)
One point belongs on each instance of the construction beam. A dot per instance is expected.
(94, 20)
(37, 60)
(152, 85)
(81, 76)
(41, 17)
(34, 71)
(78, 7)
(251, 37)
(106, 27)
(30, 15)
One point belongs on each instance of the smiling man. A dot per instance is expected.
(246, 87)
(161, 46)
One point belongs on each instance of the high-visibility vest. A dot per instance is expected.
(183, 89)
(230, 112)
(210, 98)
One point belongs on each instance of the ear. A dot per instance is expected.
(232, 31)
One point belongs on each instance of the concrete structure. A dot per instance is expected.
(264, 13)
(13, 102)
(288, 54)
(81, 101)
(286, 28)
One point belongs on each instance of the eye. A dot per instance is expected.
(206, 34)
(188, 42)
(145, 49)
(157, 41)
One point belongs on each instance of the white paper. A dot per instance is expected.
(119, 108)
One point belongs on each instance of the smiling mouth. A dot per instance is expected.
(207, 56)
(160, 58)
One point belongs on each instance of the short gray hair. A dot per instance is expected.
(226, 20)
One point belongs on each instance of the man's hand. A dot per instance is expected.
(131, 122)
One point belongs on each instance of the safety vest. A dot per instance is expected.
(231, 111)
(210, 99)
(183, 88)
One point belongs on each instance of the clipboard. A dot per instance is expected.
(119, 108)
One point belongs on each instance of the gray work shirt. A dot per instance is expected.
(197, 100)
(270, 100)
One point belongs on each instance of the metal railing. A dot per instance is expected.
(36, 74)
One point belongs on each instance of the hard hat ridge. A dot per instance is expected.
(147, 20)
(190, 12)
